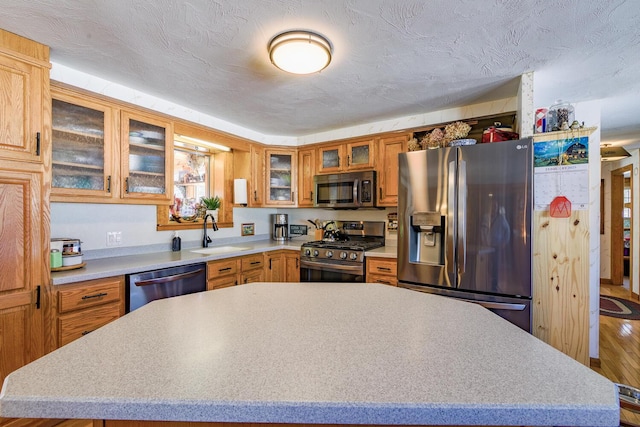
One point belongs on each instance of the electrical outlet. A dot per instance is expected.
(114, 238)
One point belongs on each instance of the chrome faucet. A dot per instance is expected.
(206, 239)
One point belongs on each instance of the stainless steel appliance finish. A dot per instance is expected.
(143, 288)
(345, 190)
(465, 225)
(341, 258)
(280, 227)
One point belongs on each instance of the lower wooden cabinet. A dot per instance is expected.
(282, 266)
(382, 270)
(85, 306)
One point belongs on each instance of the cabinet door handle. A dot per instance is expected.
(255, 195)
(383, 268)
(381, 192)
(37, 143)
(126, 185)
(220, 270)
(38, 291)
(297, 261)
(109, 184)
(311, 195)
(87, 332)
(101, 294)
(255, 262)
(270, 259)
(348, 160)
(293, 196)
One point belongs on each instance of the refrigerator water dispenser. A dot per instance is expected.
(427, 237)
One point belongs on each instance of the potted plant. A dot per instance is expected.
(211, 206)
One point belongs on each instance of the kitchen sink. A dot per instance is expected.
(220, 250)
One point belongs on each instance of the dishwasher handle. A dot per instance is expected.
(168, 279)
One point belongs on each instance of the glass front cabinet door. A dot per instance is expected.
(280, 174)
(82, 148)
(147, 153)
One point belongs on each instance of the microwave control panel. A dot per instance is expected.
(366, 191)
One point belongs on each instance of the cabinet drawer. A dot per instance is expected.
(222, 282)
(252, 276)
(385, 280)
(250, 262)
(382, 266)
(75, 325)
(221, 268)
(90, 294)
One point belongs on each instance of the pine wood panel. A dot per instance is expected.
(561, 282)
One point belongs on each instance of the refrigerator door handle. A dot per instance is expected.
(451, 222)
(461, 213)
(497, 305)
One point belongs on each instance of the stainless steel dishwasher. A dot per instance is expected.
(142, 288)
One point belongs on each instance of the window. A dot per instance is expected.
(190, 180)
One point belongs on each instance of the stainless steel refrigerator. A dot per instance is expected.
(465, 225)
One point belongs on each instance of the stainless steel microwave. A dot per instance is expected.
(345, 190)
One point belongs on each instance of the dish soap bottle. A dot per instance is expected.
(176, 243)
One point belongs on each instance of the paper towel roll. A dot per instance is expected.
(240, 191)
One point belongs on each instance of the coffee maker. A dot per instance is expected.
(280, 227)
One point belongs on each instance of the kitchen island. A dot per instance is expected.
(302, 353)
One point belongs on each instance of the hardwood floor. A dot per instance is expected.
(620, 349)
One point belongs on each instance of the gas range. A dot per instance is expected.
(356, 237)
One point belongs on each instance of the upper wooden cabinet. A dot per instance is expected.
(106, 154)
(347, 156)
(306, 170)
(83, 149)
(388, 150)
(280, 174)
(21, 111)
(147, 156)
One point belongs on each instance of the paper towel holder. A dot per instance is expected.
(240, 191)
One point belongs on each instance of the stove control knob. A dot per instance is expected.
(353, 255)
(315, 252)
(329, 254)
(307, 252)
(343, 255)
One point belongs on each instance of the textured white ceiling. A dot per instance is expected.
(392, 58)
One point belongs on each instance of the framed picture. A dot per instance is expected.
(248, 229)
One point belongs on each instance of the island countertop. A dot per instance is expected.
(335, 353)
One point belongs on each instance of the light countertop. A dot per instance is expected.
(383, 252)
(330, 353)
(115, 266)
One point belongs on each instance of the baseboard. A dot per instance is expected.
(636, 296)
(604, 281)
(594, 362)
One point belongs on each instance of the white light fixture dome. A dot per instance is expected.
(300, 52)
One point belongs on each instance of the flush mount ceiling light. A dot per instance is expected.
(300, 52)
(609, 153)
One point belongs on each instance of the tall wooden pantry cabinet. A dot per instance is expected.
(25, 134)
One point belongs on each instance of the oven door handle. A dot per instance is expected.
(313, 265)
